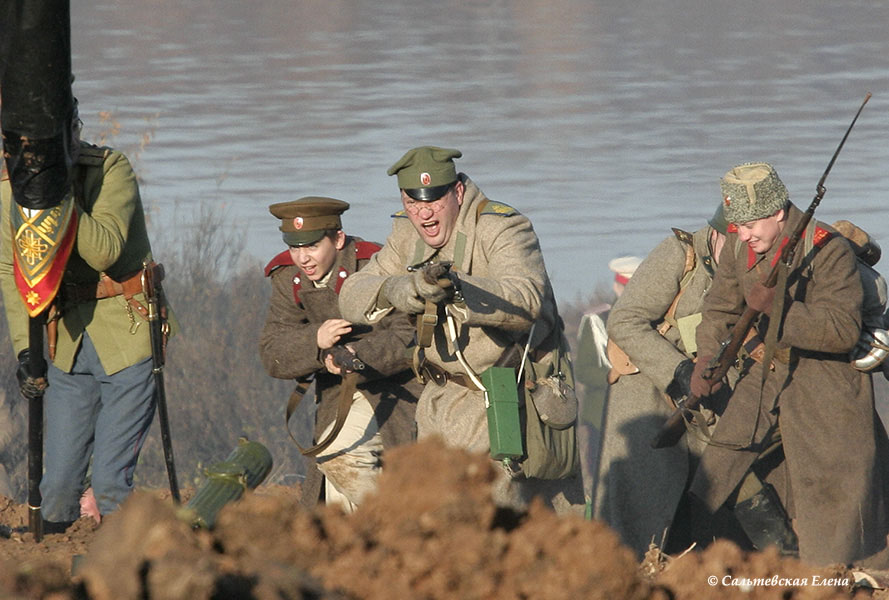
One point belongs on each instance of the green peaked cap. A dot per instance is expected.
(425, 172)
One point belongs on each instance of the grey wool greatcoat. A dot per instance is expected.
(639, 488)
(289, 350)
(833, 479)
(506, 289)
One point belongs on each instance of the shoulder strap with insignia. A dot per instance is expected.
(364, 250)
(92, 156)
(492, 207)
(282, 259)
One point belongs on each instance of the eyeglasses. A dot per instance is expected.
(414, 206)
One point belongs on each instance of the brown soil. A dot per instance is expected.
(431, 532)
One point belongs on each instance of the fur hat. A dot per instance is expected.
(752, 191)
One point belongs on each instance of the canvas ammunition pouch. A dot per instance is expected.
(550, 412)
(620, 363)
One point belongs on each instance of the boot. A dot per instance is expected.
(763, 519)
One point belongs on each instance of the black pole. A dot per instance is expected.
(36, 114)
(35, 430)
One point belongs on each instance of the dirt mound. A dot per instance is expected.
(431, 532)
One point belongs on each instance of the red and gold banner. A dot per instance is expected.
(42, 241)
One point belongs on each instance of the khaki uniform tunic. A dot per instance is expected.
(111, 238)
(506, 290)
(833, 480)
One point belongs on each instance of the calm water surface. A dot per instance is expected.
(607, 123)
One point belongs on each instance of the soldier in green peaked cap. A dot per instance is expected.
(426, 173)
(497, 296)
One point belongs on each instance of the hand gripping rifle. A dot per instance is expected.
(156, 331)
(671, 431)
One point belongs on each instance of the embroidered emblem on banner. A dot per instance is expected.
(42, 242)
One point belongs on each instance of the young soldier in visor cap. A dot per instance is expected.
(499, 290)
(304, 323)
(808, 427)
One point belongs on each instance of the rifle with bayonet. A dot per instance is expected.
(673, 429)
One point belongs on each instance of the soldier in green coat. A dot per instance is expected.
(499, 301)
(100, 401)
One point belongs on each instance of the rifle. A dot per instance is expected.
(671, 431)
(156, 331)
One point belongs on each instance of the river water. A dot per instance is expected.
(606, 122)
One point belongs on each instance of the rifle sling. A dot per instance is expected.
(347, 396)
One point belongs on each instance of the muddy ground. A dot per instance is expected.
(431, 532)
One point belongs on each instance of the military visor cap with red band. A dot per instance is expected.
(305, 221)
(426, 173)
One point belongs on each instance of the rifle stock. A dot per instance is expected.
(674, 427)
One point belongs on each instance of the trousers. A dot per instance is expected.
(351, 464)
(90, 414)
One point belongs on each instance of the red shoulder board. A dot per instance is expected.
(821, 236)
(340, 278)
(281, 260)
(364, 250)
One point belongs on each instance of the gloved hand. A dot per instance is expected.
(760, 298)
(433, 291)
(401, 292)
(700, 387)
(31, 384)
(682, 378)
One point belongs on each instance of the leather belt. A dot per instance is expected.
(756, 349)
(128, 286)
(440, 377)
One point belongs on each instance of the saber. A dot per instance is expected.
(156, 332)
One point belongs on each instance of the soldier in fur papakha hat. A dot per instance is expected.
(807, 425)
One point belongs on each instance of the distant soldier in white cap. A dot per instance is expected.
(807, 426)
(495, 308)
(306, 338)
(651, 346)
(591, 366)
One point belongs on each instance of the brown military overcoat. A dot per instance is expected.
(833, 479)
(289, 350)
